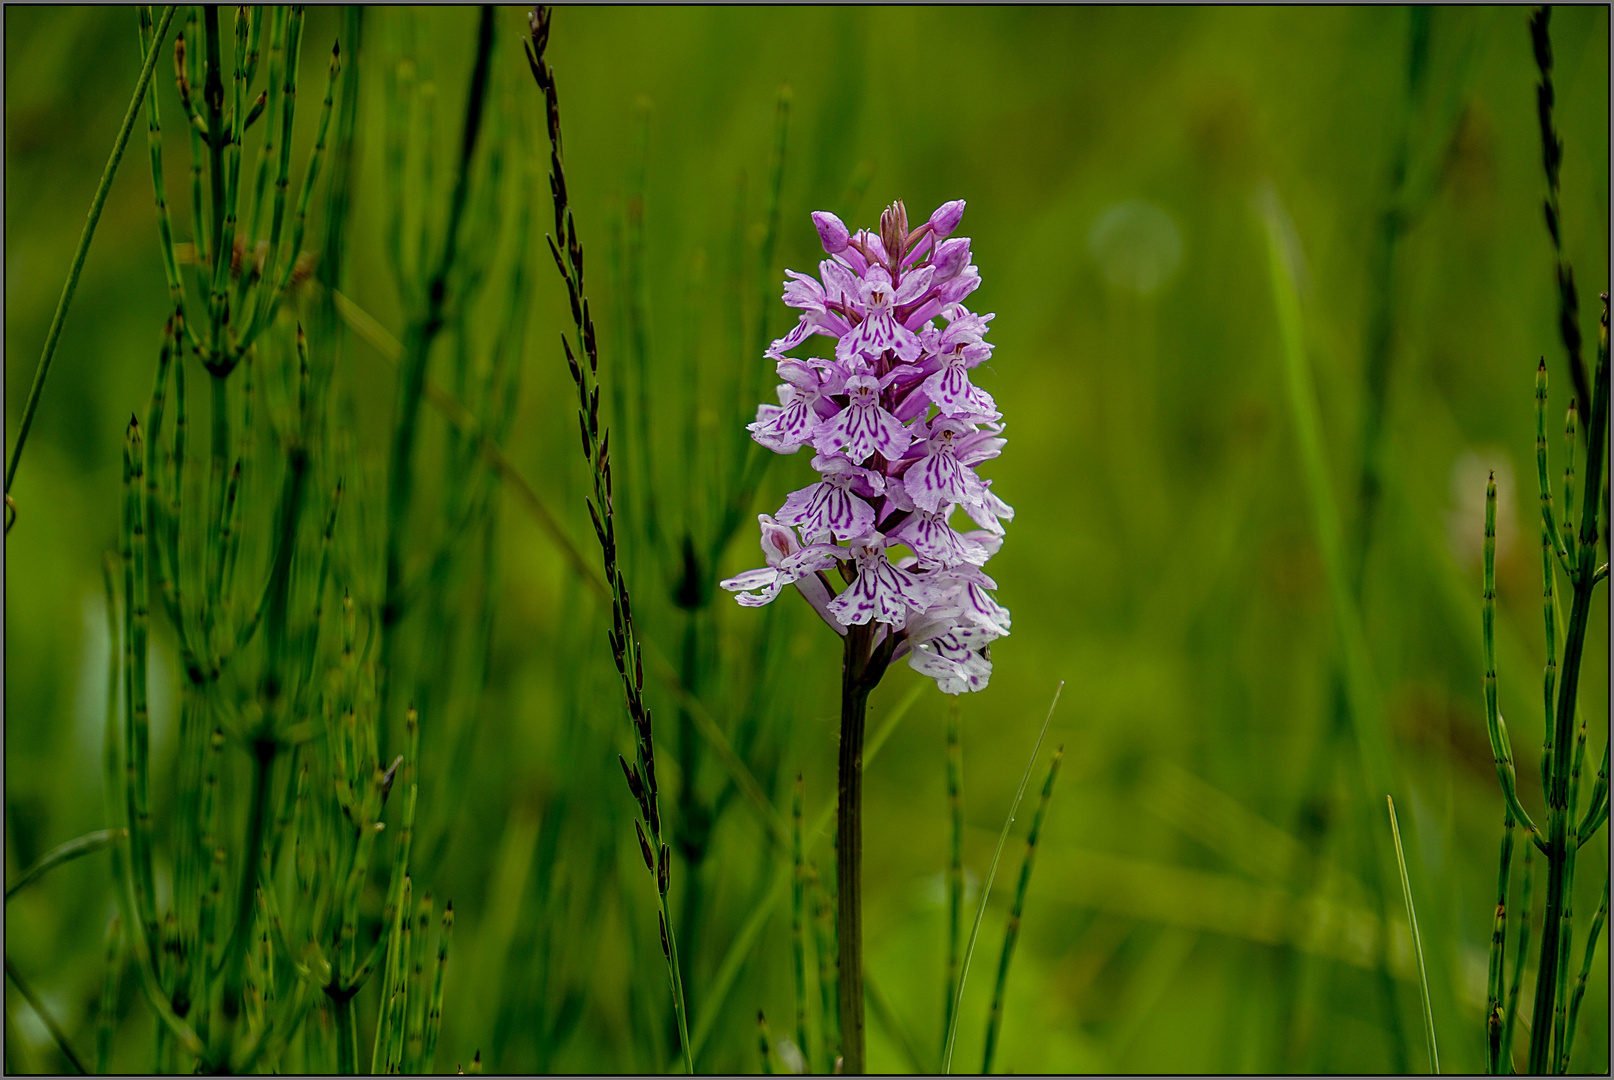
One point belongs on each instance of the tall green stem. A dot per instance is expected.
(855, 687)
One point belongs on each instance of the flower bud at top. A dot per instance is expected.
(894, 233)
(946, 218)
(951, 258)
(832, 232)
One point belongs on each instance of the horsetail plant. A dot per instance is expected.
(233, 948)
(897, 427)
(1553, 1017)
(625, 647)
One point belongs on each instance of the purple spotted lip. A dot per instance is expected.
(899, 429)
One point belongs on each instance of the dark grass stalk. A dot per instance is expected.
(825, 932)
(1011, 933)
(1552, 156)
(1526, 914)
(858, 676)
(625, 648)
(76, 267)
(1547, 1049)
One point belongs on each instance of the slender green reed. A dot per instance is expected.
(1417, 940)
(1011, 933)
(986, 886)
(97, 202)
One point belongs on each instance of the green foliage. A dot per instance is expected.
(1250, 540)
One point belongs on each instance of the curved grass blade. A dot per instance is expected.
(1417, 941)
(986, 887)
(62, 853)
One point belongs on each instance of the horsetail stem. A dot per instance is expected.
(214, 882)
(1550, 617)
(300, 222)
(1548, 1048)
(824, 947)
(400, 1017)
(137, 736)
(154, 152)
(220, 240)
(1571, 423)
(1549, 521)
(288, 109)
(266, 152)
(415, 1041)
(1501, 752)
(1011, 933)
(434, 1017)
(1497, 960)
(1597, 811)
(1585, 971)
(107, 1015)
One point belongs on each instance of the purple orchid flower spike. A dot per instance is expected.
(899, 428)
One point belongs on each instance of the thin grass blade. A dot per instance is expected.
(1417, 941)
(986, 887)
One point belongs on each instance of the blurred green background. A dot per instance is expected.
(1206, 897)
